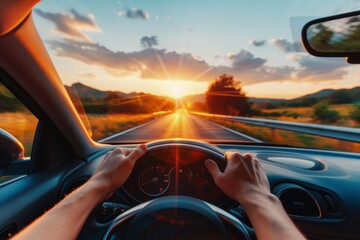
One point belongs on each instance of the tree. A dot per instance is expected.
(323, 114)
(225, 96)
(341, 96)
(355, 114)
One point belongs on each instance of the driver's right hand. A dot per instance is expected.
(243, 179)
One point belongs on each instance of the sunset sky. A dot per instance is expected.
(176, 48)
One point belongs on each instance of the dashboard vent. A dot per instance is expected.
(297, 201)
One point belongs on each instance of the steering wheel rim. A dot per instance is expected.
(226, 217)
(104, 230)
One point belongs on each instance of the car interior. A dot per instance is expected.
(318, 187)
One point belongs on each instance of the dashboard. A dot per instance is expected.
(318, 189)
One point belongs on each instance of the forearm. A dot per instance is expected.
(269, 218)
(65, 220)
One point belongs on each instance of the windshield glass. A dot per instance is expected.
(146, 70)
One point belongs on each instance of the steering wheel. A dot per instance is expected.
(175, 216)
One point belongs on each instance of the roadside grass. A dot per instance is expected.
(22, 125)
(304, 114)
(284, 137)
(343, 109)
(108, 124)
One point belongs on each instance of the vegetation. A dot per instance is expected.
(277, 136)
(225, 96)
(323, 114)
(9, 103)
(355, 114)
(326, 40)
(21, 125)
(92, 101)
(108, 124)
(105, 113)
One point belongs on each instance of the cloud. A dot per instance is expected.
(147, 63)
(149, 42)
(314, 69)
(151, 63)
(87, 75)
(257, 43)
(71, 25)
(283, 45)
(134, 14)
(245, 60)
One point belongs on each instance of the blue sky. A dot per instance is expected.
(101, 40)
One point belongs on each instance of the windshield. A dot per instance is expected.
(211, 70)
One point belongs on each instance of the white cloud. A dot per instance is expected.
(245, 60)
(319, 69)
(283, 44)
(71, 25)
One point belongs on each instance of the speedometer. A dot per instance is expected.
(154, 180)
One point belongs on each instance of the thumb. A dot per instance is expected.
(213, 169)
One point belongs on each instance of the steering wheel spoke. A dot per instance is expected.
(176, 217)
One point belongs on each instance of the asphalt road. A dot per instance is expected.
(180, 124)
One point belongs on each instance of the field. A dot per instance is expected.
(283, 137)
(109, 124)
(23, 125)
(305, 114)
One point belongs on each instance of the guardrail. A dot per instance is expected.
(342, 133)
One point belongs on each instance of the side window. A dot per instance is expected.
(17, 130)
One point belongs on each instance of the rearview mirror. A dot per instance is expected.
(335, 36)
(10, 148)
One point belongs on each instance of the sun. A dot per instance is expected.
(176, 89)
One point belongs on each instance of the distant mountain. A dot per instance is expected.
(265, 100)
(96, 101)
(319, 94)
(86, 92)
(83, 91)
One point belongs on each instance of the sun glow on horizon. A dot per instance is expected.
(177, 89)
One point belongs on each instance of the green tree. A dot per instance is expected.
(355, 114)
(346, 39)
(340, 97)
(322, 113)
(225, 96)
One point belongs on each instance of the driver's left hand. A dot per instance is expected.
(115, 168)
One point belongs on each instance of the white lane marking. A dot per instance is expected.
(125, 131)
(238, 133)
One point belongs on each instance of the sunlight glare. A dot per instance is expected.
(176, 89)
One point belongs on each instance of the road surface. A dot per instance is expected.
(180, 124)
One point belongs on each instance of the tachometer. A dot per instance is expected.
(154, 180)
(204, 186)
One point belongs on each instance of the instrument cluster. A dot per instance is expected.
(181, 172)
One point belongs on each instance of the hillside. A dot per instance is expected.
(102, 102)
(319, 94)
(8, 102)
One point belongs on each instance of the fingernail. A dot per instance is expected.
(208, 162)
(143, 147)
